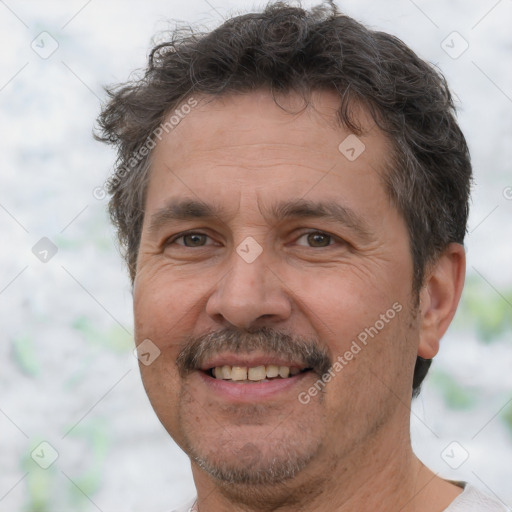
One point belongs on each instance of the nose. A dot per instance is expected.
(249, 295)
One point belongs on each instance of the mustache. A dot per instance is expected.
(306, 351)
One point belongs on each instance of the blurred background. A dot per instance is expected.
(77, 432)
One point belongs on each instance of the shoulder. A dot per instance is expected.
(473, 500)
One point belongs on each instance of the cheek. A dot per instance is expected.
(367, 332)
(343, 303)
(164, 390)
(166, 305)
(162, 311)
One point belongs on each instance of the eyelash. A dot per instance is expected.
(172, 240)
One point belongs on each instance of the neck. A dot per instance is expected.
(381, 474)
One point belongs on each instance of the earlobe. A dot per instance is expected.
(440, 297)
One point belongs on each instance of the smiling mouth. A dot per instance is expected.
(261, 373)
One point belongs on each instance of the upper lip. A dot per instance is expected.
(249, 361)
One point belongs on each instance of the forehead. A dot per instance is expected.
(267, 124)
(247, 143)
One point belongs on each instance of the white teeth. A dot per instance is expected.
(238, 373)
(272, 370)
(226, 372)
(284, 371)
(256, 373)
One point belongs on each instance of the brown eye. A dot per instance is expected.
(317, 239)
(190, 240)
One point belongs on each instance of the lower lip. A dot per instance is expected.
(251, 392)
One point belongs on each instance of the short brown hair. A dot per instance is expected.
(285, 49)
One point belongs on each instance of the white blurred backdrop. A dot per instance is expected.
(68, 378)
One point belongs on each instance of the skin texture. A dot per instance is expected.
(349, 447)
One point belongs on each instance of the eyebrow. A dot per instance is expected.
(182, 209)
(190, 209)
(328, 210)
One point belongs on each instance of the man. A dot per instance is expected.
(292, 196)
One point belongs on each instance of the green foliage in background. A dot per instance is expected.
(485, 310)
(24, 355)
(70, 485)
(41, 484)
(115, 338)
(94, 435)
(74, 485)
(454, 395)
(507, 416)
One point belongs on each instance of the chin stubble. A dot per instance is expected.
(248, 466)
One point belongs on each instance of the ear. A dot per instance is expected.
(439, 298)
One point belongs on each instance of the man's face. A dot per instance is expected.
(336, 287)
